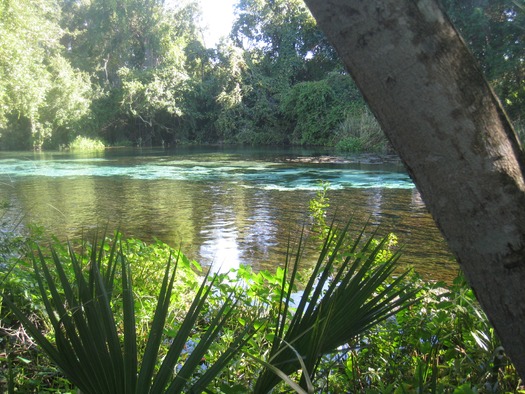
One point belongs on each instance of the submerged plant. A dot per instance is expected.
(99, 355)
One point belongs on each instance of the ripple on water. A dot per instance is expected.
(224, 211)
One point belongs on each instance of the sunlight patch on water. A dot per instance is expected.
(249, 174)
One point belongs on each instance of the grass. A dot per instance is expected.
(360, 132)
(86, 144)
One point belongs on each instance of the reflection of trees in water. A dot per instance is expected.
(402, 212)
(240, 229)
(228, 220)
(261, 226)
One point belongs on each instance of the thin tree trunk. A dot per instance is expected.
(451, 132)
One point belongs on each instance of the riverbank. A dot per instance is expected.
(444, 328)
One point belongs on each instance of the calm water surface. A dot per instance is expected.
(224, 206)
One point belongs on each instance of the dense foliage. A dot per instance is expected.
(494, 32)
(138, 73)
(441, 343)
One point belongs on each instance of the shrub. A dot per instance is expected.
(315, 108)
(97, 347)
(86, 144)
(441, 344)
(90, 302)
(360, 132)
(346, 325)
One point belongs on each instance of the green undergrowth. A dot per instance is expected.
(161, 323)
(441, 343)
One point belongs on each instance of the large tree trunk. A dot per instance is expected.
(451, 132)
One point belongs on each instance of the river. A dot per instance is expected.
(223, 205)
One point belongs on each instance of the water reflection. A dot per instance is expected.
(220, 248)
(222, 208)
(261, 226)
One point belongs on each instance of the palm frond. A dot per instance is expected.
(89, 348)
(347, 294)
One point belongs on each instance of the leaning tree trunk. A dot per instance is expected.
(451, 132)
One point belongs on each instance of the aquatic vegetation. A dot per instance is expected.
(249, 173)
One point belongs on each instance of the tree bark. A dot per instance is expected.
(453, 136)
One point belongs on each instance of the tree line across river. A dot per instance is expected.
(138, 73)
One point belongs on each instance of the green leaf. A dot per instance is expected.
(338, 304)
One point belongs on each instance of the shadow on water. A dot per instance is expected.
(224, 206)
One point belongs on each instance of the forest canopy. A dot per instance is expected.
(137, 73)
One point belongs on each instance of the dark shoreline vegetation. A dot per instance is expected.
(129, 73)
(385, 332)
